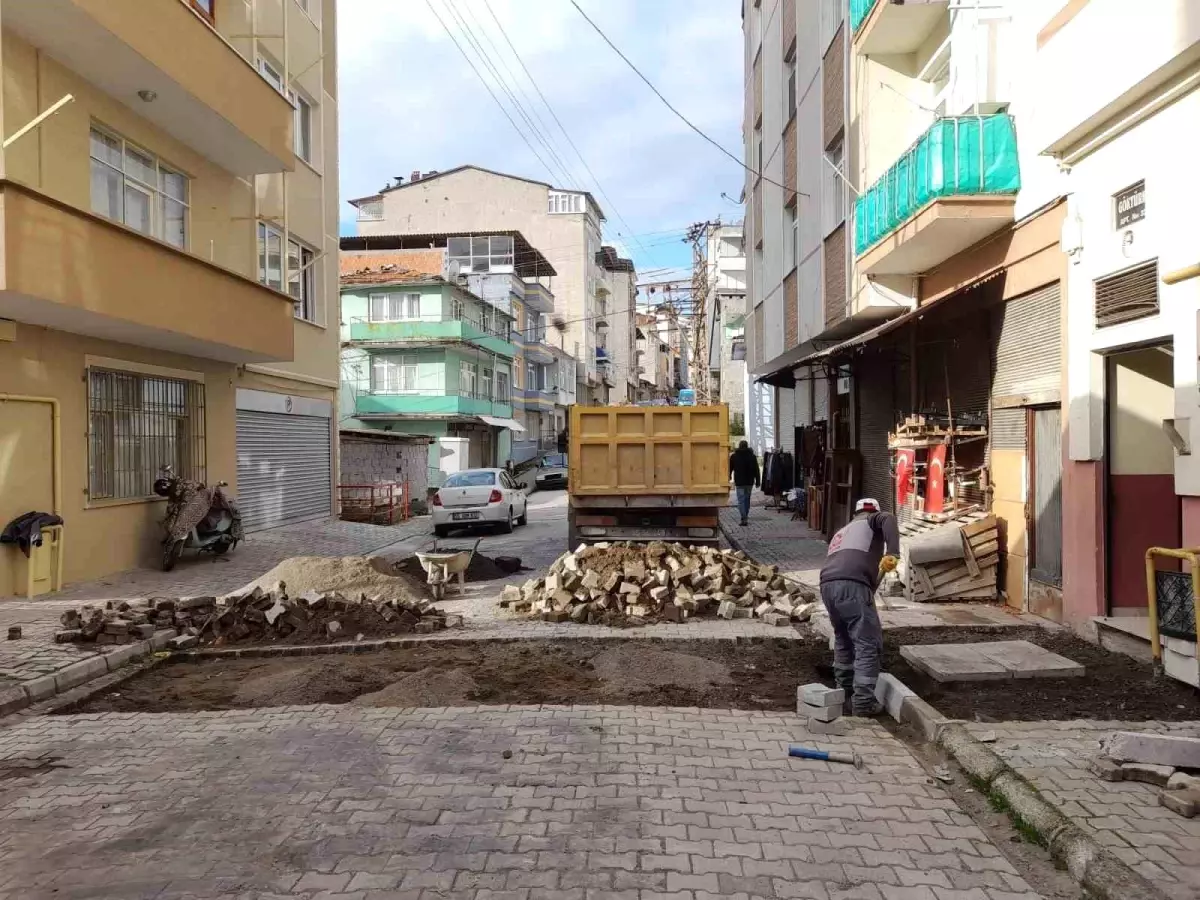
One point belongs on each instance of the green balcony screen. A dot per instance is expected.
(957, 156)
(859, 10)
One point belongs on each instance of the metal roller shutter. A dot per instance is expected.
(803, 397)
(955, 356)
(820, 396)
(787, 420)
(1027, 349)
(284, 467)
(876, 385)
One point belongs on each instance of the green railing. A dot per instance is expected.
(859, 10)
(957, 156)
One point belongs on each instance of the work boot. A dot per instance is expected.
(866, 712)
(744, 522)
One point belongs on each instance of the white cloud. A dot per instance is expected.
(408, 100)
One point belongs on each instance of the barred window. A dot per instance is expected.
(136, 425)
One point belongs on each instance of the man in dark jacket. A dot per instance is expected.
(743, 468)
(859, 556)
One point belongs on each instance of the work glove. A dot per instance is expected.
(888, 564)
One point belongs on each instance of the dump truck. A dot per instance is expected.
(647, 473)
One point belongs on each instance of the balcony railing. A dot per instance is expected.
(431, 329)
(964, 155)
(431, 402)
(859, 10)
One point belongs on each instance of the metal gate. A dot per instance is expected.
(284, 466)
(1046, 564)
(875, 385)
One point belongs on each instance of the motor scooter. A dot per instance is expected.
(198, 518)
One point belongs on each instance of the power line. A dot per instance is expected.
(488, 87)
(562, 127)
(681, 116)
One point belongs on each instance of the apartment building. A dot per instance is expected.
(564, 225)
(906, 262)
(653, 359)
(425, 355)
(504, 271)
(725, 311)
(616, 326)
(168, 289)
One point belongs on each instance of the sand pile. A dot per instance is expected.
(348, 575)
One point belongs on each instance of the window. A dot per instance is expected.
(833, 189)
(536, 329)
(273, 75)
(394, 307)
(370, 211)
(565, 202)
(758, 152)
(204, 7)
(471, 479)
(303, 127)
(830, 17)
(467, 376)
(270, 256)
(135, 188)
(791, 234)
(481, 254)
(531, 379)
(502, 395)
(302, 280)
(790, 93)
(136, 425)
(394, 374)
(485, 383)
(457, 310)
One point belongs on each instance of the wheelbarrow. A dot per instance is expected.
(441, 565)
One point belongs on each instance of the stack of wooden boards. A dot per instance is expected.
(955, 562)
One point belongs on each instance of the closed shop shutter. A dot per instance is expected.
(876, 388)
(820, 396)
(787, 419)
(284, 466)
(803, 397)
(953, 359)
(1027, 349)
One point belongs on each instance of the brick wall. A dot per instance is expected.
(787, 22)
(756, 86)
(370, 460)
(790, 169)
(833, 89)
(835, 276)
(758, 220)
(790, 312)
(758, 335)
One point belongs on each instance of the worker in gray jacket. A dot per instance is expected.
(859, 556)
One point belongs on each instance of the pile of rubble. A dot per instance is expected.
(1165, 761)
(255, 615)
(623, 583)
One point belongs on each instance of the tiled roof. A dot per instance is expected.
(389, 274)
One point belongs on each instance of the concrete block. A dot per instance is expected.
(822, 713)
(1106, 769)
(13, 699)
(1147, 773)
(838, 726)
(891, 692)
(727, 609)
(188, 641)
(161, 639)
(1184, 802)
(40, 689)
(1159, 749)
(817, 694)
(777, 620)
(79, 673)
(1027, 660)
(123, 656)
(1181, 780)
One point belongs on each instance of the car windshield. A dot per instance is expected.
(554, 461)
(471, 479)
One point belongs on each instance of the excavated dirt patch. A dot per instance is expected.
(349, 575)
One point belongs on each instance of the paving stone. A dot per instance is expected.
(1147, 773)
(820, 695)
(1159, 749)
(988, 661)
(1027, 660)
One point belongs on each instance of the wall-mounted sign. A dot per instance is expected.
(1129, 205)
(843, 384)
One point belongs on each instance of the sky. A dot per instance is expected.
(408, 100)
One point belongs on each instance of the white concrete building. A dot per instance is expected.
(725, 314)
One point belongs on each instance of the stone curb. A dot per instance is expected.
(17, 697)
(1101, 873)
(734, 542)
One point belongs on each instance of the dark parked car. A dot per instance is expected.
(552, 472)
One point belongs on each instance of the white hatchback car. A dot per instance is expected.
(479, 497)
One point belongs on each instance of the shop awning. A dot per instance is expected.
(510, 424)
(777, 372)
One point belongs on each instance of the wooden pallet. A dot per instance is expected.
(974, 577)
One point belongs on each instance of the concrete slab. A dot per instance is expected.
(954, 662)
(1157, 749)
(1027, 660)
(989, 661)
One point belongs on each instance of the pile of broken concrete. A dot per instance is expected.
(625, 583)
(256, 616)
(1163, 760)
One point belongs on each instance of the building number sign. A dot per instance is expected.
(1129, 205)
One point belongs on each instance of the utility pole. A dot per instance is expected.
(697, 236)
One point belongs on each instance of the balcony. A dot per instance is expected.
(536, 348)
(430, 404)
(428, 332)
(538, 297)
(955, 186)
(70, 270)
(892, 27)
(208, 96)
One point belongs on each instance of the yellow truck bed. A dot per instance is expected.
(648, 450)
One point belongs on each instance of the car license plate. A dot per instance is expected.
(463, 517)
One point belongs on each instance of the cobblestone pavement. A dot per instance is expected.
(1123, 816)
(372, 804)
(36, 654)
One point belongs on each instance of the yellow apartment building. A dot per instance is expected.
(168, 264)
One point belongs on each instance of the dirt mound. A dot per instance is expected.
(349, 575)
(482, 568)
(628, 668)
(428, 687)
